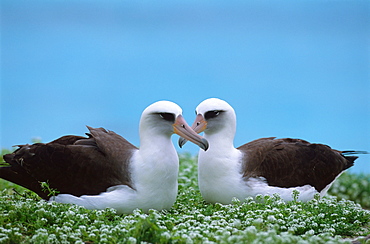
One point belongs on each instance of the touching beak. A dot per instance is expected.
(199, 125)
(181, 128)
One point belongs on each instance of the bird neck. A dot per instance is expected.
(158, 162)
(220, 142)
(156, 143)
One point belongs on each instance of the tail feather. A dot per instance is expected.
(351, 152)
(351, 159)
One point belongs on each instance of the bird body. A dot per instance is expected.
(241, 174)
(104, 169)
(264, 166)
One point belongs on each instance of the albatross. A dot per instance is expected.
(264, 166)
(105, 170)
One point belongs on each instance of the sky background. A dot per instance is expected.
(296, 69)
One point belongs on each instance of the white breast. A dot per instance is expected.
(219, 176)
(156, 181)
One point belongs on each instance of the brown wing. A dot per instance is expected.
(72, 164)
(293, 162)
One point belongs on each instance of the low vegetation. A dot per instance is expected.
(340, 218)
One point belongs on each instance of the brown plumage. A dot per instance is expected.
(293, 162)
(72, 164)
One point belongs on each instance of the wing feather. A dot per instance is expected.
(72, 164)
(292, 162)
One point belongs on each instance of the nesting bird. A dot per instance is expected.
(263, 166)
(105, 170)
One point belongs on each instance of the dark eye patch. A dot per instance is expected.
(212, 114)
(167, 116)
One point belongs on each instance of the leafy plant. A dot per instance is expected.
(47, 189)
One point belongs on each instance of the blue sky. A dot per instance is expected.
(289, 68)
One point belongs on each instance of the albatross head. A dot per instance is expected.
(165, 118)
(214, 117)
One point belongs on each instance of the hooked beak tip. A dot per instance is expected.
(182, 141)
(204, 144)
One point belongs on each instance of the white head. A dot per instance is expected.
(217, 119)
(218, 115)
(164, 118)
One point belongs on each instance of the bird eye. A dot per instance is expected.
(211, 114)
(167, 116)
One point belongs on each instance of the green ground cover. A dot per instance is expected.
(339, 218)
